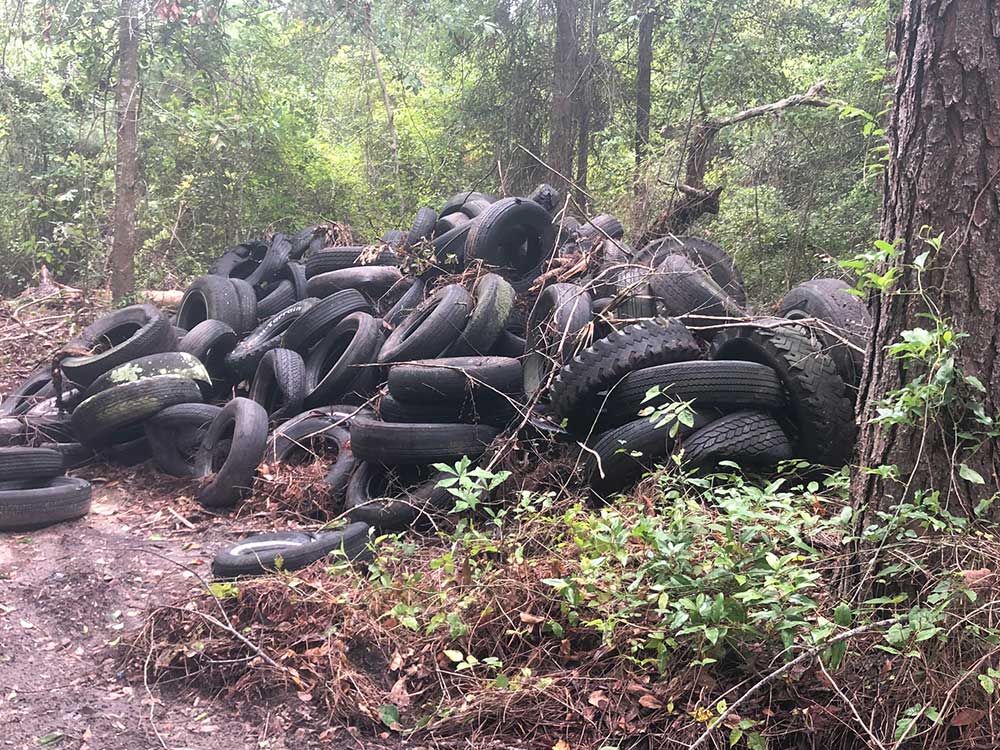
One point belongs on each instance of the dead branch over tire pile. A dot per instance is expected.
(501, 333)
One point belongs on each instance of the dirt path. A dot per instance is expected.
(72, 597)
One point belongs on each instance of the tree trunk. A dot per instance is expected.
(944, 142)
(125, 242)
(585, 102)
(564, 73)
(643, 74)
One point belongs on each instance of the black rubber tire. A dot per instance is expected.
(493, 410)
(315, 323)
(848, 323)
(431, 328)
(246, 304)
(303, 435)
(243, 360)
(301, 241)
(36, 464)
(393, 443)
(454, 378)
(455, 203)
(494, 304)
(416, 504)
(403, 298)
(547, 197)
(724, 384)
(422, 227)
(372, 281)
(603, 364)
(61, 499)
(228, 466)
(508, 344)
(279, 252)
(821, 412)
(601, 227)
(277, 297)
(634, 300)
(290, 550)
(475, 207)
(449, 222)
(210, 341)
(133, 331)
(628, 451)
(101, 419)
(175, 433)
(336, 365)
(748, 438)
(231, 264)
(74, 455)
(45, 422)
(178, 364)
(704, 254)
(339, 258)
(210, 298)
(513, 232)
(686, 291)
(394, 238)
(37, 387)
(559, 314)
(279, 385)
(452, 243)
(295, 273)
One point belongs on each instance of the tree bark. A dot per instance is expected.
(585, 101)
(944, 161)
(564, 75)
(643, 75)
(125, 242)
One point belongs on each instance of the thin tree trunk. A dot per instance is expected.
(125, 242)
(390, 114)
(564, 75)
(941, 180)
(585, 102)
(643, 75)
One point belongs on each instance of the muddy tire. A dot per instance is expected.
(61, 499)
(494, 304)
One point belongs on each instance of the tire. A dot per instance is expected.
(748, 438)
(74, 455)
(289, 550)
(243, 360)
(131, 332)
(403, 298)
(279, 385)
(246, 304)
(35, 464)
(295, 273)
(687, 292)
(705, 255)
(725, 384)
(178, 364)
(454, 378)
(546, 196)
(210, 341)
(392, 443)
(458, 200)
(278, 296)
(229, 465)
(233, 265)
(508, 345)
(372, 281)
(210, 298)
(431, 328)
(452, 243)
(493, 410)
(279, 252)
(627, 452)
(302, 436)
(340, 258)
(394, 238)
(634, 298)
(422, 227)
(45, 422)
(393, 513)
(821, 412)
(513, 232)
(494, 304)
(602, 227)
(847, 319)
(301, 242)
(336, 365)
(603, 364)
(61, 499)
(316, 322)
(447, 223)
(101, 419)
(559, 314)
(37, 387)
(175, 433)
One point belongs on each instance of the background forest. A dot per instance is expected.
(258, 115)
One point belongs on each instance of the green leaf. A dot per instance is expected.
(455, 656)
(970, 475)
(986, 682)
(389, 715)
(842, 614)
(52, 738)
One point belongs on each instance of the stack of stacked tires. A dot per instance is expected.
(34, 491)
(296, 342)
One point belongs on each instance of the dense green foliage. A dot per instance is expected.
(260, 114)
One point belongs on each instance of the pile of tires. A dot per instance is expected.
(34, 491)
(296, 344)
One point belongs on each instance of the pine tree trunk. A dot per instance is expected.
(564, 73)
(643, 74)
(944, 138)
(125, 242)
